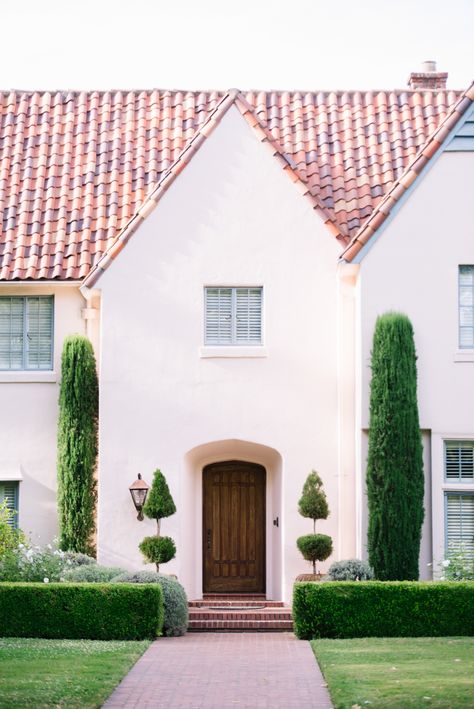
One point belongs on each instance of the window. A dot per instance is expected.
(460, 521)
(466, 306)
(26, 332)
(9, 492)
(233, 316)
(459, 461)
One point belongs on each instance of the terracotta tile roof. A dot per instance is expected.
(407, 178)
(75, 167)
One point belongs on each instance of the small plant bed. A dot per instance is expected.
(63, 673)
(400, 673)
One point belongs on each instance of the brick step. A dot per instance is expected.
(206, 603)
(222, 626)
(234, 596)
(247, 614)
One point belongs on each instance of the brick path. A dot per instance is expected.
(220, 670)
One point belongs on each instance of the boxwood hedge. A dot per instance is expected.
(383, 609)
(87, 611)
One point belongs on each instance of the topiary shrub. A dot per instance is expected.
(91, 573)
(158, 550)
(86, 611)
(313, 504)
(159, 504)
(176, 614)
(315, 547)
(350, 570)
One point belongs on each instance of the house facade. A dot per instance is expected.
(228, 254)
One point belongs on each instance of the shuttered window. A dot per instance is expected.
(9, 492)
(460, 522)
(233, 316)
(466, 306)
(459, 461)
(26, 332)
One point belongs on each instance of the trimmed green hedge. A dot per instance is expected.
(87, 611)
(361, 609)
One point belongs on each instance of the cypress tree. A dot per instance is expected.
(77, 445)
(395, 479)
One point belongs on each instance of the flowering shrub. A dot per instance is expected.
(33, 563)
(458, 565)
(9, 536)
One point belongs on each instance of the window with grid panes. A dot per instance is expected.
(26, 332)
(233, 316)
(9, 493)
(459, 461)
(466, 307)
(460, 522)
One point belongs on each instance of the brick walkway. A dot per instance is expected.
(220, 670)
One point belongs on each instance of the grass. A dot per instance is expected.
(63, 673)
(400, 673)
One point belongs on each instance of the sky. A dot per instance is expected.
(280, 44)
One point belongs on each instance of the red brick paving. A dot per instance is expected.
(220, 670)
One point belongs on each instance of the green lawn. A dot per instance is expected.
(63, 673)
(400, 673)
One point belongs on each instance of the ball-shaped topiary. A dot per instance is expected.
(174, 599)
(158, 550)
(315, 547)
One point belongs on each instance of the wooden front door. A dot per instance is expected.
(234, 527)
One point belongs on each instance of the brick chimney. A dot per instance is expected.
(428, 77)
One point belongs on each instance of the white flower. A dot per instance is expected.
(430, 564)
(445, 563)
(46, 579)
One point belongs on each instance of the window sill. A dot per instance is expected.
(25, 377)
(233, 351)
(464, 356)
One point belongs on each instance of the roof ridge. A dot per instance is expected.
(408, 176)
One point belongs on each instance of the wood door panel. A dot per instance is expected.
(234, 527)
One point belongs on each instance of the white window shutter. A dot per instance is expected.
(459, 460)
(39, 333)
(466, 306)
(248, 316)
(219, 316)
(11, 332)
(460, 522)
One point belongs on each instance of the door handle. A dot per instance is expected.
(209, 536)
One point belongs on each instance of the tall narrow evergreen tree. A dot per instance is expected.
(395, 479)
(77, 445)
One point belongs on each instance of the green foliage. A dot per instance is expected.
(315, 547)
(313, 502)
(458, 565)
(77, 445)
(350, 570)
(9, 536)
(91, 573)
(395, 460)
(158, 550)
(76, 558)
(159, 503)
(174, 599)
(30, 562)
(88, 611)
(382, 609)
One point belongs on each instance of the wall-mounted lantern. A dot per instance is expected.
(139, 491)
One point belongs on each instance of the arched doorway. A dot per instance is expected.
(234, 494)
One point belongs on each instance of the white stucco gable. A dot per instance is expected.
(232, 218)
